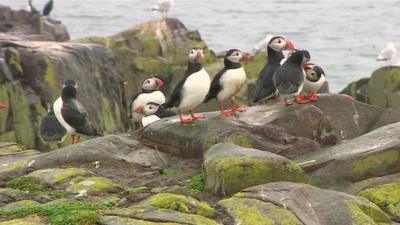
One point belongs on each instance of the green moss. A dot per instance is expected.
(383, 195)
(12, 148)
(4, 96)
(150, 44)
(169, 172)
(196, 184)
(373, 162)
(180, 203)
(51, 78)
(68, 213)
(59, 175)
(95, 186)
(16, 166)
(109, 124)
(254, 67)
(148, 65)
(366, 214)
(15, 61)
(240, 140)
(256, 212)
(35, 186)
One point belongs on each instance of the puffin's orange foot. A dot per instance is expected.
(186, 121)
(313, 97)
(226, 113)
(300, 100)
(288, 102)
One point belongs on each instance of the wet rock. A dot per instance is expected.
(32, 74)
(373, 154)
(95, 186)
(229, 168)
(180, 203)
(25, 24)
(19, 205)
(154, 214)
(287, 131)
(253, 211)
(315, 206)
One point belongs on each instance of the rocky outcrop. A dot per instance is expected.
(287, 131)
(27, 25)
(381, 89)
(229, 168)
(31, 77)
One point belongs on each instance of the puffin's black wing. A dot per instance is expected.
(265, 84)
(288, 79)
(215, 87)
(162, 113)
(176, 94)
(50, 129)
(78, 120)
(47, 8)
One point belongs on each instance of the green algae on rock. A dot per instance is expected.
(114, 220)
(56, 176)
(26, 221)
(19, 205)
(95, 186)
(229, 168)
(180, 203)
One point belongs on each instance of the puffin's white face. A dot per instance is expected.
(235, 56)
(150, 109)
(196, 55)
(152, 84)
(279, 44)
(313, 73)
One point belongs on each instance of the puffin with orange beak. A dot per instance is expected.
(265, 88)
(150, 93)
(228, 82)
(192, 89)
(148, 112)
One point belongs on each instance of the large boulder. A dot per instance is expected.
(374, 154)
(28, 25)
(229, 168)
(31, 77)
(301, 204)
(288, 131)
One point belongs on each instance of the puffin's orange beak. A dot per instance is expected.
(246, 57)
(138, 109)
(159, 81)
(200, 56)
(290, 45)
(306, 67)
(3, 106)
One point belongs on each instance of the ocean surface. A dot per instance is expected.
(342, 36)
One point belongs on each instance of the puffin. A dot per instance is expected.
(192, 89)
(148, 112)
(3, 106)
(289, 78)
(150, 93)
(315, 79)
(71, 114)
(48, 8)
(52, 130)
(265, 88)
(228, 81)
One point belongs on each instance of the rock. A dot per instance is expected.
(113, 154)
(287, 131)
(56, 176)
(8, 148)
(370, 155)
(25, 221)
(253, 211)
(383, 87)
(19, 205)
(155, 214)
(387, 197)
(32, 74)
(311, 205)
(229, 168)
(8, 195)
(358, 90)
(25, 24)
(372, 182)
(114, 220)
(180, 203)
(95, 186)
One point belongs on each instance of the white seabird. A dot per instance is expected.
(163, 6)
(387, 54)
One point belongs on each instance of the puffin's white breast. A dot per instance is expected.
(149, 119)
(144, 98)
(57, 105)
(194, 90)
(231, 81)
(310, 86)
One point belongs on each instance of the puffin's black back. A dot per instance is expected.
(290, 76)
(50, 129)
(175, 98)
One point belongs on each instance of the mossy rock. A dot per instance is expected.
(26, 221)
(19, 205)
(57, 175)
(114, 220)
(229, 168)
(358, 90)
(8, 148)
(9, 195)
(256, 212)
(180, 203)
(383, 87)
(95, 186)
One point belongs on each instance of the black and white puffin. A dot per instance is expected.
(71, 114)
(192, 89)
(148, 112)
(47, 8)
(51, 130)
(315, 79)
(265, 88)
(3, 106)
(289, 78)
(228, 82)
(150, 93)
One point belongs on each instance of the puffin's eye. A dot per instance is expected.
(279, 41)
